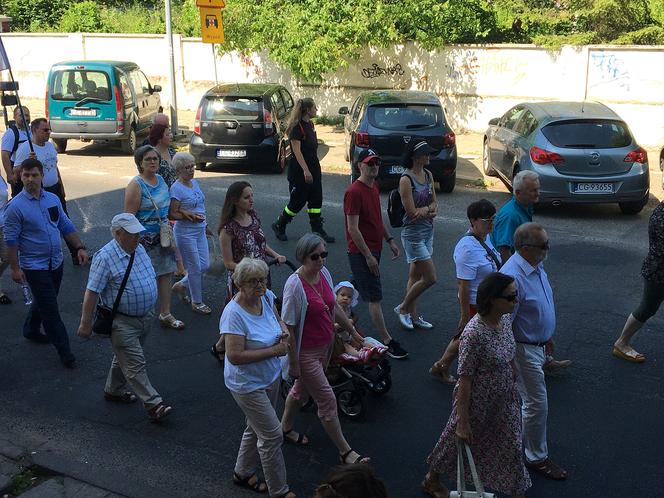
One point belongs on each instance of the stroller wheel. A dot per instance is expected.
(352, 403)
(381, 386)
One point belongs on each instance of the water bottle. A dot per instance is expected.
(27, 295)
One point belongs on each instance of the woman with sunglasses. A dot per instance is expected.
(310, 311)
(486, 412)
(474, 258)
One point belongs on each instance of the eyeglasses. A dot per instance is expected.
(544, 246)
(489, 220)
(316, 256)
(257, 282)
(510, 297)
(150, 159)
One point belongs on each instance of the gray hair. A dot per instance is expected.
(521, 176)
(180, 160)
(306, 245)
(140, 154)
(249, 268)
(525, 234)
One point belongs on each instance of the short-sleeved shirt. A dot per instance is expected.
(150, 217)
(259, 332)
(4, 199)
(47, 155)
(318, 328)
(305, 133)
(191, 199)
(473, 263)
(508, 219)
(9, 141)
(363, 200)
(107, 272)
(653, 264)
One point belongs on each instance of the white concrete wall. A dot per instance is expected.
(474, 82)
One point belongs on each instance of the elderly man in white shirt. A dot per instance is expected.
(534, 323)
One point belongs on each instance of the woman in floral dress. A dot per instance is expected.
(486, 412)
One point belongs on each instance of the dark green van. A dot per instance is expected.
(100, 100)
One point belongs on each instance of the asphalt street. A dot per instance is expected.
(605, 424)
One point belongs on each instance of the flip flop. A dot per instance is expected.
(257, 486)
(297, 442)
(633, 358)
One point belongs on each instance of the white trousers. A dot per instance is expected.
(534, 404)
(193, 246)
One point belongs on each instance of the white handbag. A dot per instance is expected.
(461, 491)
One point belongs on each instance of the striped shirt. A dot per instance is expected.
(107, 271)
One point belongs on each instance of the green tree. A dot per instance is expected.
(35, 15)
(82, 16)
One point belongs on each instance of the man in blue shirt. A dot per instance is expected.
(34, 223)
(534, 322)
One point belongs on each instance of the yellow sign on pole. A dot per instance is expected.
(213, 4)
(212, 26)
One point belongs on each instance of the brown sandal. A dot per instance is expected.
(548, 469)
(440, 373)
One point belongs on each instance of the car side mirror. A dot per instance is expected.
(494, 121)
(156, 88)
(343, 110)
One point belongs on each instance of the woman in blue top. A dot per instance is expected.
(255, 339)
(419, 201)
(188, 209)
(147, 197)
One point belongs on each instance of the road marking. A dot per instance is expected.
(98, 173)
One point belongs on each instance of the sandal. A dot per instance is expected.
(301, 439)
(247, 483)
(170, 322)
(548, 469)
(4, 299)
(435, 489)
(156, 413)
(441, 374)
(126, 397)
(359, 459)
(632, 356)
(219, 355)
(181, 292)
(201, 308)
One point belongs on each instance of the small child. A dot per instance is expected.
(356, 348)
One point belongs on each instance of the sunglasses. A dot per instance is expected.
(316, 256)
(512, 298)
(150, 159)
(544, 246)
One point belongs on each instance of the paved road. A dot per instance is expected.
(605, 424)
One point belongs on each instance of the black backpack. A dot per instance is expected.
(395, 209)
(17, 140)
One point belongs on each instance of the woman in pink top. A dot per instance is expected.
(309, 311)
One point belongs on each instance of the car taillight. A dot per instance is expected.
(541, 156)
(197, 121)
(119, 109)
(362, 139)
(449, 140)
(637, 156)
(46, 103)
(268, 127)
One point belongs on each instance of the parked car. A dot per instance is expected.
(100, 100)
(243, 124)
(387, 120)
(583, 152)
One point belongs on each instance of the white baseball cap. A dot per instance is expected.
(128, 222)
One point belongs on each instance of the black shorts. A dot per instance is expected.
(366, 283)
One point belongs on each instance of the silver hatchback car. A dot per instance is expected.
(582, 151)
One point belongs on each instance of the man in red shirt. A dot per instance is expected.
(365, 233)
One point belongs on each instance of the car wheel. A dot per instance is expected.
(446, 184)
(633, 207)
(60, 145)
(280, 164)
(201, 166)
(486, 164)
(129, 144)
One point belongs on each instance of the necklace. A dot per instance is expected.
(319, 293)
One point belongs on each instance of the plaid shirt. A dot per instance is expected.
(107, 271)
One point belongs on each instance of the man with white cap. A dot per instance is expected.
(134, 316)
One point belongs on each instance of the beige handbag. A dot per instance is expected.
(461, 491)
(166, 237)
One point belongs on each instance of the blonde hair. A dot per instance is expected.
(249, 268)
(301, 106)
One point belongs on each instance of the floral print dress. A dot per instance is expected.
(485, 355)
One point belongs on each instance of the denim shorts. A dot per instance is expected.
(366, 283)
(417, 249)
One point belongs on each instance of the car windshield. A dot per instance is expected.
(79, 84)
(405, 116)
(237, 108)
(588, 133)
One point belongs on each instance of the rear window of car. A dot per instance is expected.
(405, 116)
(238, 108)
(77, 84)
(588, 133)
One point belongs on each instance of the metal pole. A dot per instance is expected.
(214, 61)
(174, 101)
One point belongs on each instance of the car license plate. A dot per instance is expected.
(593, 188)
(396, 170)
(83, 112)
(231, 153)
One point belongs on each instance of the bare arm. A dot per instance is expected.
(433, 207)
(132, 200)
(406, 193)
(226, 250)
(463, 430)
(89, 302)
(464, 302)
(345, 322)
(353, 222)
(75, 241)
(238, 355)
(12, 256)
(271, 252)
(7, 165)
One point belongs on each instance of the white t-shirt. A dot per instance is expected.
(473, 263)
(260, 332)
(47, 155)
(4, 199)
(8, 141)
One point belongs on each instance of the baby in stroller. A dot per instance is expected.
(353, 349)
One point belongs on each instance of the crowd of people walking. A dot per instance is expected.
(503, 339)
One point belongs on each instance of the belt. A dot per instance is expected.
(538, 344)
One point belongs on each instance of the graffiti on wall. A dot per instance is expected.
(610, 69)
(374, 71)
(250, 66)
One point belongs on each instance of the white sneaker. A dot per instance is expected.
(421, 323)
(404, 319)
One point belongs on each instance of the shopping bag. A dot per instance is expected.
(461, 491)
(216, 267)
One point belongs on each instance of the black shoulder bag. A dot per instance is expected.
(103, 324)
(489, 252)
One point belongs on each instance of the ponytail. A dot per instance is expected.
(301, 106)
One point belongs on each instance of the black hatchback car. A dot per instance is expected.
(387, 120)
(243, 124)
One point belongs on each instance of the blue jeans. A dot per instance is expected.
(45, 285)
